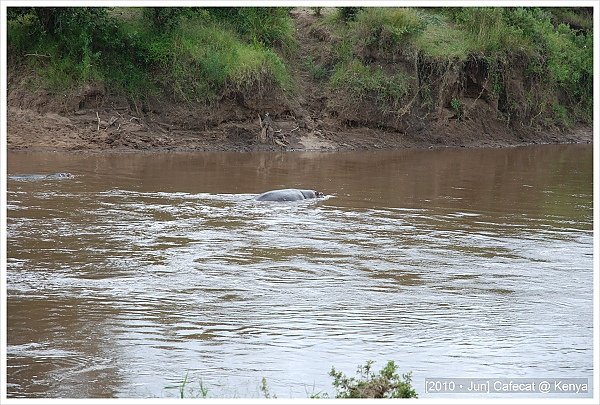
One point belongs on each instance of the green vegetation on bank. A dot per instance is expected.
(193, 54)
(550, 48)
(535, 64)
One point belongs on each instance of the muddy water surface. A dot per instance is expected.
(145, 267)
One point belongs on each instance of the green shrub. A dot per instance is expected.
(22, 30)
(385, 384)
(347, 14)
(199, 53)
(561, 116)
(164, 19)
(556, 57)
(458, 109)
(78, 45)
(563, 57)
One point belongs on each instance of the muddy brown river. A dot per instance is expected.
(147, 267)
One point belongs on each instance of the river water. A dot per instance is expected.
(148, 267)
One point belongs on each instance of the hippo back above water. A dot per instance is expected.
(289, 194)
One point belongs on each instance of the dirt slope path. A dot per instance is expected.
(312, 91)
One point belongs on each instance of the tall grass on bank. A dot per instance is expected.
(200, 54)
(386, 28)
(190, 53)
(269, 26)
(556, 56)
(201, 60)
(550, 48)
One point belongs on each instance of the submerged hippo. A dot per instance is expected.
(60, 176)
(289, 194)
(54, 176)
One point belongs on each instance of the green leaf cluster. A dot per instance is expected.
(387, 383)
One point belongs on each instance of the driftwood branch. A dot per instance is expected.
(111, 121)
(267, 132)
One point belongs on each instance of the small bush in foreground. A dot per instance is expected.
(385, 384)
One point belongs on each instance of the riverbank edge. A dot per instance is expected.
(92, 117)
(31, 131)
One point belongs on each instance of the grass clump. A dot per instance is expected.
(490, 30)
(371, 82)
(189, 388)
(201, 60)
(386, 28)
(269, 26)
(443, 40)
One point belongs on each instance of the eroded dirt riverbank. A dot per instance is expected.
(30, 130)
(92, 118)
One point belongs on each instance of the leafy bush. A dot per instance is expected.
(199, 53)
(348, 13)
(78, 45)
(563, 57)
(458, 109)
(556, 57)
(385, 384)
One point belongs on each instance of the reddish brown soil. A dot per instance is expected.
(92, 119)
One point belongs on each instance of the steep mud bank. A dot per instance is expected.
(448, 105)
